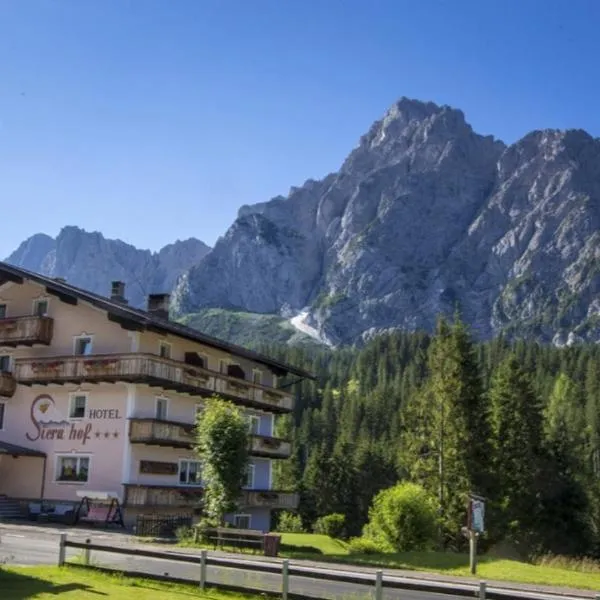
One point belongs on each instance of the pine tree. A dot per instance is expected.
(517, 439)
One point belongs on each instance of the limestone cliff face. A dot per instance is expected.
(423, 216)
(91, 261)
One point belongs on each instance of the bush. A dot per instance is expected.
(289, 523)
(333, 525)
(403, 518)
(184, 533)
(364, 546)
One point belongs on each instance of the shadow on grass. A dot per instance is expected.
(18, 586)
(309, 550)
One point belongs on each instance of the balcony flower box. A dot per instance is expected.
(268, 496)
(271, 443)
(238, 386)
(101, 363)
(46, 366)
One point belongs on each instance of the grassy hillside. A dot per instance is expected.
(247, 329)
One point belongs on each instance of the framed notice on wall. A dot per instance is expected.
(151, 467)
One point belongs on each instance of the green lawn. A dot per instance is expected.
(323, 548)
(312, 543)
(45, 583)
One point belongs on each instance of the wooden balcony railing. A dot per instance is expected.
(162, 496)
(181, 435)
(26, 331)
(161, 433)
(191, 497)
(152, 370)
(8, 385)
(270, 447)
(269, 499)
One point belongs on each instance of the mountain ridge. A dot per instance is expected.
(91, 261)
(424, 215)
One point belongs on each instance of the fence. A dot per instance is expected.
(377, 582)
(161, 526)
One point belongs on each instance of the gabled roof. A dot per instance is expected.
(134, 319)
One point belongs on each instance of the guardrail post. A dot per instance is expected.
(482, 588)
(62, 549)
(378, 585)
(87, 553)
(202, 569)
(285, 584)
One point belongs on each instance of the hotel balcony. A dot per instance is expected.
(269, 499)
(158, 496)
(8, 385)
(181, 435)
(161, 433)
(26, 331)
(270, 447)
(152, 370)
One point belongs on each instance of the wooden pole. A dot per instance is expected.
(203, 569)
(473, 551)
(285, 584)
(62, 550)
(379, 585)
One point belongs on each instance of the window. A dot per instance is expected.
(5, 364)
(253, 424)
(164, 350)
(83, 345)
(2, 413)
(257, 376)
(161, 409)
(40, 308)
(72, 468)
(274, 381)
(3, 311)
(77, 406)
(241, 521)
(190, 472)
(250, 476)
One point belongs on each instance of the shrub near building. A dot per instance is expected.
(401, 518)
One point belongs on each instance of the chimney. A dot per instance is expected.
(60, 280)
(117, 293)
(158, 305)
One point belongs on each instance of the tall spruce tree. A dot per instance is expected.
(446, 428)
(517, 424)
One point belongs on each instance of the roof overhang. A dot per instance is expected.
(14, 451)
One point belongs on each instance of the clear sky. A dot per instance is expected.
(153, 120)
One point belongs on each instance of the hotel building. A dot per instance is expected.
(98, 396)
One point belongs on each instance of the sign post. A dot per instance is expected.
(476, 520)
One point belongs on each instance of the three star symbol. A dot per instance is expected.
(106, 434)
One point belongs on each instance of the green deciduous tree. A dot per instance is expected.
(403, 518)
(222, 447)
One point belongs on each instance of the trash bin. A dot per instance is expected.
(272, 542)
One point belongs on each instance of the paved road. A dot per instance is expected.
(30, 547)
(20, 548)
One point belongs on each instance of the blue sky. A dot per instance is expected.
(154, 120)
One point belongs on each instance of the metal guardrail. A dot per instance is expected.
(377, 581)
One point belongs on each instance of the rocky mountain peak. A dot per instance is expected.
(91, 261)
(423, 215)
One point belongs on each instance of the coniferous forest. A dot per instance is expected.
(515, 422)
